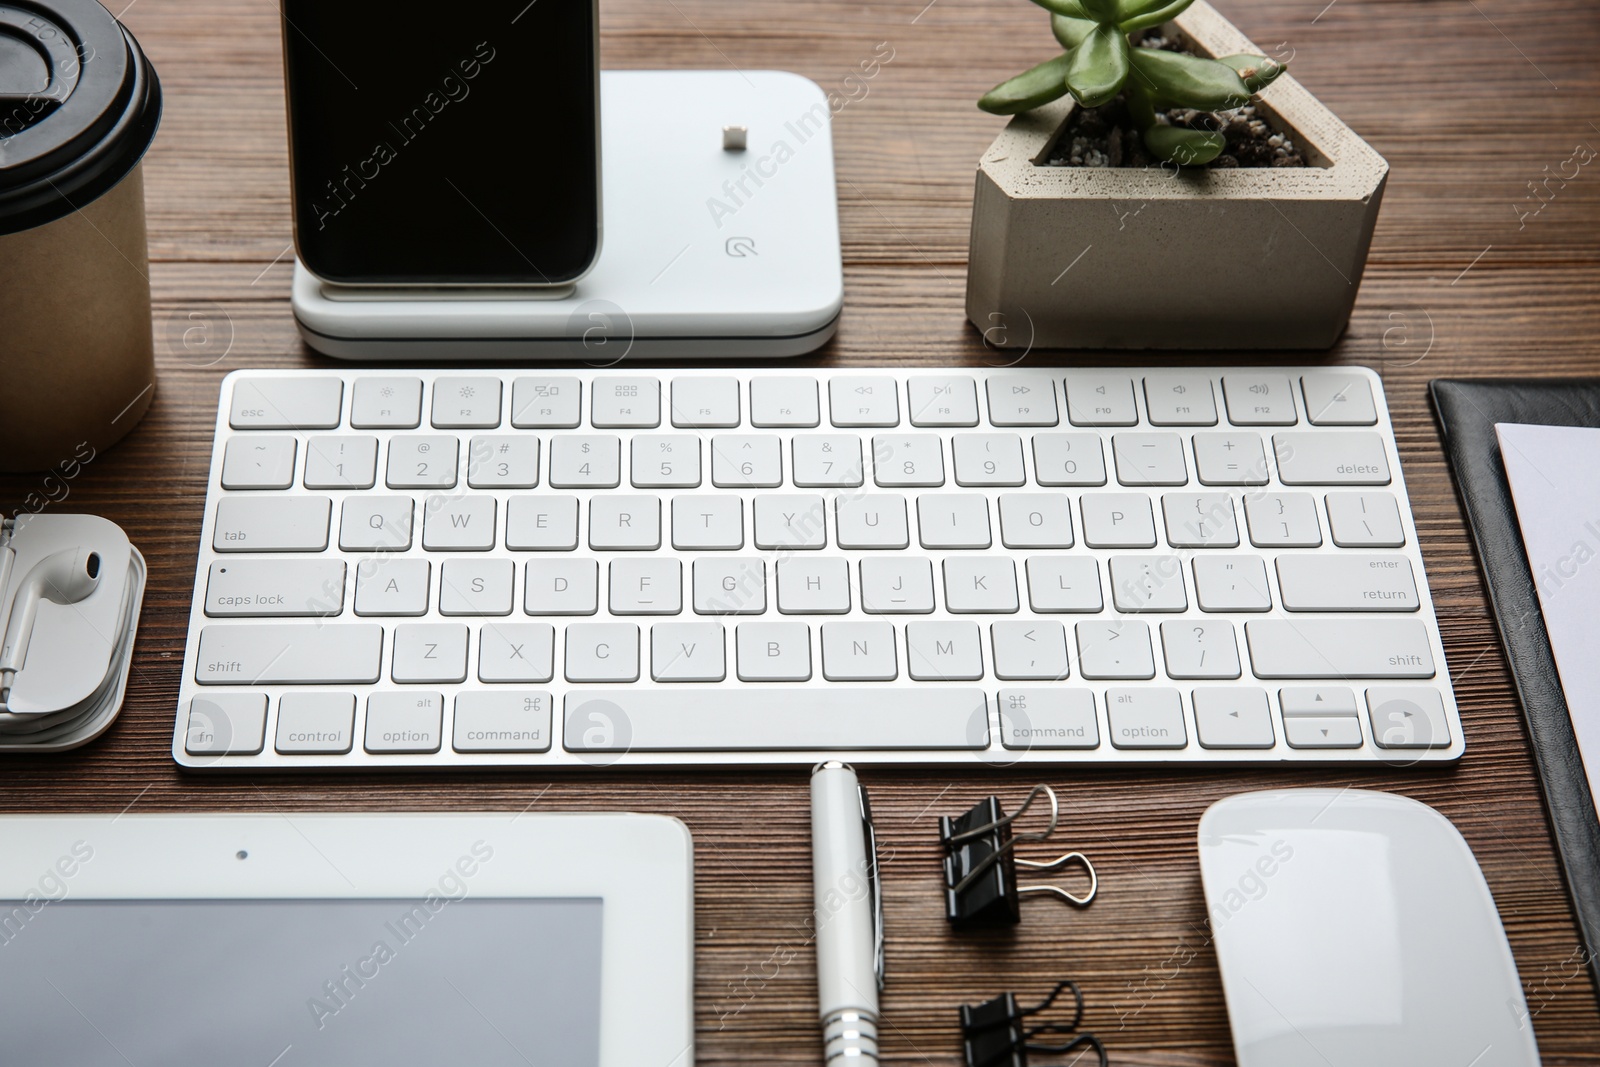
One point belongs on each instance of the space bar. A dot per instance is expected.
(749, 720)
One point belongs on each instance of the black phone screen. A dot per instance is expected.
(450, 143)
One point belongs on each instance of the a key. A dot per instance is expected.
(1354, 582)
(1259, 399)
(953, 520)
(1231, 583)
(872, 520)
(422, 461)
(774, 652)
(585, 461)
(546, 403)
(896, 585)
(1146, 718)
(316, 723)
(1407, 717)
(1200, 648)
(392, 585)
(542, 523)
(386, 404)
(986, 584)
(746, 461)
(1118, 520)
(286, 403)
(1318, 700)
(341, 462)
(515, 651)
(1283, 520)
(1180, 400)
(430, 652)
(826, 460)
(258, 461)
(1339, 648)
(625, 523)
(1147, 583)
(783, 402)
(1095, 399)
(289, 653)
(263, 588)
(730, 585)
(1118, 649)
(859, 652)
(404, 722)
(648, 586)
(813, 586)
(1232, 717)
(1069, 459)
(1230, 459)
(687, 652)
(503, 461)
(1200, 520)
(666, 460)
(502, 721)
(790, 521)
(562, 585)
(936, 651)
(708, 523)
(863, 401)
(1350, 457)
(1365, 520)
(1034, 649)
(476, 586)
(602, 652)
(939, 400)
(1338, 398)
(1149, 458)
(1035, 520)
(466, 403)
(1022, 400)
(1052, 717)
(1306, 732)
(988, 459)
(458, 523)
(705, 403)
(913, 459)
(625, 403)
(1064, 583)
(271, 524)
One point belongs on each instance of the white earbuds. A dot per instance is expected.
(64, 577)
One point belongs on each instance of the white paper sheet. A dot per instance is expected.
(1554, 473)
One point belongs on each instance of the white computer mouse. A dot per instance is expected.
(1354, 929)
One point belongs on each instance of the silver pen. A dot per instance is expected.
(848, 916)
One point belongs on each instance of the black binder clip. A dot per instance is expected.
(993, 1033)
(980, 868)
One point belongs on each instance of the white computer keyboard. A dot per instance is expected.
(559, 568)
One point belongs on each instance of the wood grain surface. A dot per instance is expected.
(1470, 101)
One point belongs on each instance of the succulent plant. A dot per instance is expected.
(1101, 61)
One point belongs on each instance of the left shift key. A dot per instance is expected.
(289, 653)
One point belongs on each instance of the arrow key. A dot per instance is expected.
(1407, 717)
(1307, 731)
(1322, 700)
(1232, 717)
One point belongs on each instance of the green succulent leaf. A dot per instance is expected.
(1070, 32)
(1188, 148)
(1032, 88)
(1154, 15)
(1101, 10)
(1099, 66)
(1257, 72)
(1177, 80)
(1072, 9)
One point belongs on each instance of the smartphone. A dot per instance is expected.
(453, 144)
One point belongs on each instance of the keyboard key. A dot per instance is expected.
(381, 523)
(1283, 520)
(1035, 649)
(713, 523)
(1146, 718)
(646, 586)
(778, 652)
(476, 586)
(510, 720)
(746, 461)
(1069, 459)
(988, 459)
(386, 404)
(625, 523)
(704, 403)
(258, 462)
(562, 585)
(1231, 583)
(227, 724)
(872, 520)
(466, 403)
(1365, 520)
(783, 402)
(1035, 520)
(938, 400)
(859, 652)
(937, 651)
(546, 403)
(827, 460)
(1118, 520)
(289, 653)
(1180, 400)
(1338, 398)
(1022, 400)
(264, 588)
(1095, 399)
(515, 652)
(422, 461)
(1305, 732)
(286, 403)
(1232, 717)
(953, 520)
(854, 401)
(404, 722)
(1230, 459)
(790, 521)
(984, 584)
(1200, 520)
(1318, 700)
(1048, 718)
(392, 586)
(585, 461)
(625, 403)
(344, 462)
(1115, 650)
(458, 523)
(1259, 399)
(1149, 458)
(687, 652)
(1408, 717)
(430, 652)
(666, 460)
(913, 459)
(813, 585)
(320, 723)
(271, 524)
(1064, 583)
(1354, 457)
(1147, 583)
(503, 461)
(1339, 648)
(542, 523)
(730, 585)
(896, 585)
(602, 652)
(1347, 583)
(1200, 648)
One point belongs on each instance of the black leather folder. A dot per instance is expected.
(1468, 411)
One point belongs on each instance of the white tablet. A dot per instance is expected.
(326, 940)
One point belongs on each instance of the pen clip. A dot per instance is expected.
(870, 833)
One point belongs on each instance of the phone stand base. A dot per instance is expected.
(706, 251)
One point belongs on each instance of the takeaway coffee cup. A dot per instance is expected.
(79, 104)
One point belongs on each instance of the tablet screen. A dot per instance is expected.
(301, 983)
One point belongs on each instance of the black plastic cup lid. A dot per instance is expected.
(79, 104)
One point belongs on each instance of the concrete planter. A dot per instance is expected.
(1078, 257)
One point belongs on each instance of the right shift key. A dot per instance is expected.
(1339, 648)
(1331, 457)
(1328, 582)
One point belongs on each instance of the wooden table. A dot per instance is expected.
(1470, 100)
